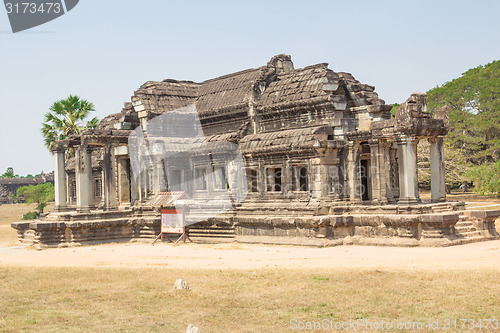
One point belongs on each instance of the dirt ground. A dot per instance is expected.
(252, 256)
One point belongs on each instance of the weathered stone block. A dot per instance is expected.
(366, 220)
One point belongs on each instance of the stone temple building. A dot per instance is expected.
(324, 163)
(9, 186)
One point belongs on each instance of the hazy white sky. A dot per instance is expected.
(104, 50)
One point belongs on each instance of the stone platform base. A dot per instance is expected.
(61, 229)
(408, 230)
(368, 227)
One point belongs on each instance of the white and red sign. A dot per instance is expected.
(172, 221)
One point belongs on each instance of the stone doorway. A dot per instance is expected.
(365, 180)
(123, 165)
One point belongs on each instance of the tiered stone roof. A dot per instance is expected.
(259, 100)
(227, 93)
(271, 90)
(290, 88)
(286, 140)
(359, 93)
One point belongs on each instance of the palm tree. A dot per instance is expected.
(65, 118)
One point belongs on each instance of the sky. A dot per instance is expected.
(103, 51)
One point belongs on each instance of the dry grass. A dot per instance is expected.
(142, 300)
(461, 196)
(15, 212)
(106, 300)
(9, 214)
(473, 197)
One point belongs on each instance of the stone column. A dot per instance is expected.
(394, 170)
(134, 195)
(343, 173)
(408, 178)
(337, 186)
(350, 171)
(386, 172)
(353, 172)
(109, 177)
(139, 184)
(375, 170)
(316, 179)
(261, 178)
(145, 181)
(60, 181)
(438, 185)
(83, 169)
(415, 144)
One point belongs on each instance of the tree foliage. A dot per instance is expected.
(31, 216)
(455, 162)
(395, 107)
(474, 101)
(13, 198)
(485, 177)
(40, 194)
(67, 117)
(9, 173)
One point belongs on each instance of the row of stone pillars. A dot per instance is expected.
(83, 175)
(408, 171)
(380, 169)
(84, 179)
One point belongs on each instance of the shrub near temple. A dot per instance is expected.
(485, 178)
(40, 194)
(30, 216)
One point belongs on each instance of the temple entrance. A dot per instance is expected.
(365, 181)
(123, 164)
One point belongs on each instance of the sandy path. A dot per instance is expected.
(247, 256)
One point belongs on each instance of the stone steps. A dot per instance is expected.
(29, 238)
(471, 240)
(211, 234)
(464, 229)
(471, 234)
(212, 240)
(467, 232)
(51, 218)
(442, 207)
(463, 225)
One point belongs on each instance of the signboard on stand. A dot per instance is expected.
(173, 222)
(173, 207)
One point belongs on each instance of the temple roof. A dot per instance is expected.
(287, 140)
(226, 103)
(228, 91)
(167, 95)
(299, 84)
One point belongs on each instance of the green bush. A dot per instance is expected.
(30, 216)
(41, 194)
(485, 177)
